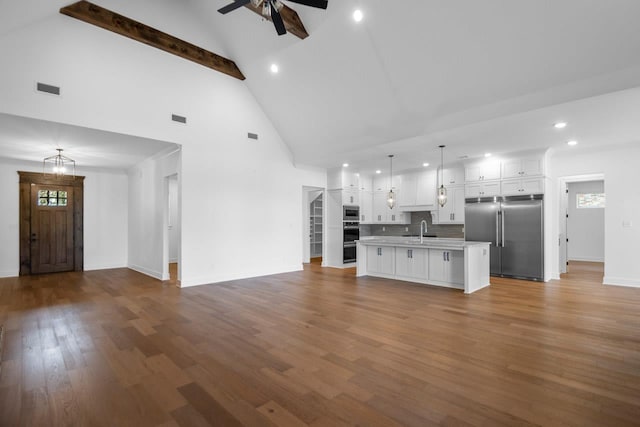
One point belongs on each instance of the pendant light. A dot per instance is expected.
(59, 164)
(391, 197)
(442, 192)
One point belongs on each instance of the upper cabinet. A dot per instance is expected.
(342, 179)
(418, 190)
(518, 168)
(452, 176)
(482, 171)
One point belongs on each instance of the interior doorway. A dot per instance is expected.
(582, 232)
(172, 234)
(313, 233)
(51, 223)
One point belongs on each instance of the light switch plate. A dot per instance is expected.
(627, 224)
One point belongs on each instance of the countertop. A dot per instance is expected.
(428, 242)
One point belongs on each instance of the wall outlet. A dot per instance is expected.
(384, 228)
(406, 229)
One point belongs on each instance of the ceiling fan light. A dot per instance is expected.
(266, 8)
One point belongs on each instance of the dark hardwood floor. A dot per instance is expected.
(318, 347)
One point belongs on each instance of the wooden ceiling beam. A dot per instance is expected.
(103, 18)
(292, 21)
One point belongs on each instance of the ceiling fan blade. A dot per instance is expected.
(322, 4)
(233, 6)
(277, 21)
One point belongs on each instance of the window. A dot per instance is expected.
(52, 198)
(590, 200)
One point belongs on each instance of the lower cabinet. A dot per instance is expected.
(381, 259)
(446, 266)
(411, 263)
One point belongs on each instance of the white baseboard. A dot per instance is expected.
(103, 267)
(586, 259)
(13, 273)
(148, 272)
(187, 282)
(621, 281)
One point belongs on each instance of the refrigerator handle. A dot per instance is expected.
(497, 227)
(503, 217)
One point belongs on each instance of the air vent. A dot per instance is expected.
(252, 135)
(53, 90)
(179, 119)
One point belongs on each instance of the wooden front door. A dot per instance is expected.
(51, 228)
(51, 223)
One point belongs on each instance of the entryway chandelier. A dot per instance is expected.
(59, 164)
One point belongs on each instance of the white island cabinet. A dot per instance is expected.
(441, 262)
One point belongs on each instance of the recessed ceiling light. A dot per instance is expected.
(572, 142)
(560, 125)
(425, 164)
(357, 15)
(378, 171)
(274, 68)
(487, 154)
(345, 165)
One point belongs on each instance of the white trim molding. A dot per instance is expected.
(621, 281)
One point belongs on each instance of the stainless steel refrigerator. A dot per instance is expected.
(515, 228)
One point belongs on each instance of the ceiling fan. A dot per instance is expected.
(272, 8)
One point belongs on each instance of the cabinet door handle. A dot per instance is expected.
(453, 216)
(447, 256)
(444, 256)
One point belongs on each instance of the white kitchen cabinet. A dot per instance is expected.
(446, 266)
(380, 207)
(383, 215)
(366, 183)
(408, 183)
(516, 168)
(452, 176)
(366, 207)
(351, 197)
(483, 171)
(381, 183)
(482, 189)
(417, 190)
(412, 263)
(426, 184)
(524, 186)
(342, 179)
(381, 259)
(453, 211)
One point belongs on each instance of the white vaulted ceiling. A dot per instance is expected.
(478, 76)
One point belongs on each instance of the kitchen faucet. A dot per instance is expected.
(425, 230)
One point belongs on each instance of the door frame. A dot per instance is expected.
(27, 179)
(563, 196)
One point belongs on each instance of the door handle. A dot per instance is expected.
(447, 256)
(497, 227)
(444, 256)
(503, 217)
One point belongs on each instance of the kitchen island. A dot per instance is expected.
(452, 263)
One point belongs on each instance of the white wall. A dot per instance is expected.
(147, 207)
(619, 165)
(585, 227)
(174, 220)
(240, 198)
(105, 217)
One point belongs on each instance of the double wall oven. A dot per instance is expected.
(350, 233)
